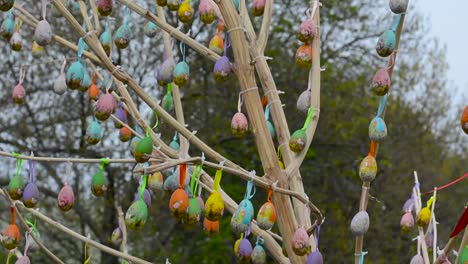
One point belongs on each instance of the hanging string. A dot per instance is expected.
(270, 192)
(182, 50)
(310, 114)
(383, 102)
(12, 212)
(373, 148)
(217, 180)
(250, 187)
(314, 9)
(19, 163)
(361, 257)
(267, 112)
(44, 5)
(80, 48)
(176, 136)
(183, 172)
(463, 177)
(317, 234)
(396, 22)
(86, 247)
(63, 65)
(127, 15)
(143, 180)
(227, 44)
(195, 179)
(240, 102)
(26, 246)
(104, 161)
(32, 171)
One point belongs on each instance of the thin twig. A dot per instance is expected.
(73, 160)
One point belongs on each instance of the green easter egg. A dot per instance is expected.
(145, 146)
(99, 184)
(136, 215)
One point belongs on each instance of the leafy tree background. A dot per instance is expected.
(424, 135)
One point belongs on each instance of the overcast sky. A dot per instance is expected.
(449, 20)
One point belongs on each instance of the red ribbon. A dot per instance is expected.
(462, 223)
(449, 184)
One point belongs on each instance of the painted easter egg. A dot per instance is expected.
(214, 207)
(181, 73)
(377, 129)
(16, 41)
(207, 12)
(424, 217)
(144, 147)
(8, 27)
(173, 5)
(271, 128)
(194, 213)
(381, 82)
(368, 169)
(105, 106)
(239, 125)
(179, 203)
(211, 227)
(300, 242)
(60, 84)
(306, 31)
(23, 260)
(86, 83)
(93, 92)
(258, 7)
(298, 141)
(360, 223)
(121, 114)
(94, 132)
(185, 12)
(315, 258)
(170, 184)
(407, 222)
(106, 41)
(133, 144)
(166, 102)
(244, 251)
(398, 6)
(161, 2)
(303, 102)
(146, 197)
(11, 237)
(150, 29)
(240, 221)
(30, 195)
(122, 36)
(99, 184)
(116, 237)
(43, 33)
(155, 182)
(66, 198)
(104, 7)
(125, 134)
(75, 75)
(266, 216)
(37, 50)
(386, 43)
(136, 215)
(16, 187)
(258, 255)
(304, 56)
(417, 259)
(222, 69)
(19, 94)
(464, 120)
(6, 5)
(166, 72)
(217, 44)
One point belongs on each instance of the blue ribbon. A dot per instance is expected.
(383, 102)
(80, 48)
(248, 192)
(361, 257)
(396, 22)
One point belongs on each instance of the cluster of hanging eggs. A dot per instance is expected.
(305, 34)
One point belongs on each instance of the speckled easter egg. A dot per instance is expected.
(464, 120)
(66, 198)
(207, 12)
(144, 147)
(161, 2)
(304, 57)
(181, 73)
(99, 184)
(75, 75)
(306, 31)
(300, 242)
(37, 50)
(185, 12)
(360, 223)
(424, 217)
(136, 215)
(30, 195)
(214, 207)
(417, 259)
(194, 213)
(105, 106)
(166, 72)
(217, 45)
(6, 5)
(240, 221)
(266, 216)
(271, 128)
(258, 7)
(23, 260)
(133, 144)
(11, 237)
(398, 6)
(106, 41)
(298, 141)
(43, 33)
(150, 29)
(146, 197)
(368, 169)
(86, 83)
(178, 204)
(377, 129)
(122, 36)
(173, 5)
(104, 7)
(94, 133)
(125, 134)
(93, 92)
(16, 41)
(407, 222)
(19, 94)
(239, 125)
(386, 43)
(211, 227)
(222, 69)
(155, 182)
(116, 237)
(170, 185)
(8, 27)
(60, 84)
(16, 187)
(244, 251)
(381, 82)
(258, 255)
(303, 102)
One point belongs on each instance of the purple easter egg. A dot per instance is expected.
(31, 195)
(222, 69)
(315, 258)
(146, 197)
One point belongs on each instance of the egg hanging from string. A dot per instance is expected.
(214, 207)
(266, 216)
(144, 147)
(134, 143)
(304, 56)
(155, 182)
(123, 36)
(386, 43)
(377, 129)
(381, 82)
(125, 134)
(306, 31)
(166, 72)
(244, 251)
(146, 197)
(121, 114)
(181, 73)
(60, 84)
(315, 257)
(75, 75)
(360, 223)
(37, 50)
(207, 12)
(136, 215)
(239, 125)
(16, 41)
(86, 83)
(11, 235)
(185, 12)
(43, 31)
(93, 92)
(66, 198)
(222, 69)
(211, 227)
(258, 7)
(19, 94)
(298, 141)
(464, 120)
(6, 5)
(170, 184)
(99, 184)
(240, 221)
(94, 132)
(258, 254)
(303, 102)
(106, 41)
(398, 6)
(407, 222)
(31, 192)
(8, 27)
(104, 7)
(194, 212)
(105, 106)
(150, 29)
(300, 242)
(117, 236)
(16, 187)
(173, 5)
(217, 44)
(368, 169)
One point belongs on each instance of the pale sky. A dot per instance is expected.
(449, 21)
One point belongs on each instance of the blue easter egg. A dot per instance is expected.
(181, 73)
(386, 43)
(241, 219)
(123, 36)
(75, 75)
(94, 132)
(377, 129)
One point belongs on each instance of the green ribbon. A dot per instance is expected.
(310, 114)
(143, 178)
(19, 162)
(195, 179)
(157, 121)
(104, 161)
